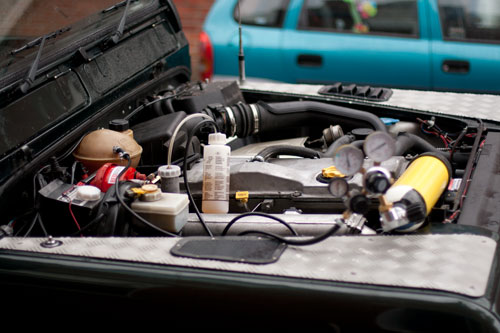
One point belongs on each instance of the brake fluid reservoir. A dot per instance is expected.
(216, 175)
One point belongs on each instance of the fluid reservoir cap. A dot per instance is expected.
(361, 133)
(217, 139)
(150, 188)
(88, 193)
(151, 196)
(118, 125)
(169, 171)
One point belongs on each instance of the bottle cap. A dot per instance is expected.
(151, 196)
(171, 171)
(217, 139)
(150, 187)
(88, 193)
(118, 125)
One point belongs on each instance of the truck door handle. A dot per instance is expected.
(309, 60)
(456, 66)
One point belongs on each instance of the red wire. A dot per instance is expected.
(73, 216)
(452, 217)
(65, 193)
(444, 141)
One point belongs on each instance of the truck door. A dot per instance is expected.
(378, 42)
(466, 45)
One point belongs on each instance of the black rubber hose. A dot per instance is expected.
(358, 144)
(274, 151)
(343, 140)
(406, 141)
(286, 114)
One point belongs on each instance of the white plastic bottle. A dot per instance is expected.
(216, 175)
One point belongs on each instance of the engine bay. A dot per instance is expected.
(195, 159)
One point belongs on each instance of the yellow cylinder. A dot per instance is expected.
(429, 175)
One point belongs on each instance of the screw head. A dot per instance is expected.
(51, 243)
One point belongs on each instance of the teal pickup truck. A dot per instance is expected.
(445, 45)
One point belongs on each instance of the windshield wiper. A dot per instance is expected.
(116, 6)
(30, 78)
(38, 40)
(121, 26)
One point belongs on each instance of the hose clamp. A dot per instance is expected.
(230, 115)
(255, 113)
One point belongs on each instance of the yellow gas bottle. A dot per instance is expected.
(416, 192)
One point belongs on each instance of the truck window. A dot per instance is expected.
(470, 20)
(393, 17)
(268, 13)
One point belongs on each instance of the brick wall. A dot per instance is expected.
(192, 13)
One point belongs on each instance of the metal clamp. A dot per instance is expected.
(255, 113)
(230, 115)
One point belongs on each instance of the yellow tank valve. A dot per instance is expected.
(415, 193)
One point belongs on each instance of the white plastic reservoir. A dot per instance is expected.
(169, 213)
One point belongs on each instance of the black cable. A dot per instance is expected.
(309, 241)
(69, 151)
(34, 183)
(42, 225)
(457, 141)
(184, 170)
(32, 225)
(142, 106)
(122, 202)
(233, 221)
(73, 169)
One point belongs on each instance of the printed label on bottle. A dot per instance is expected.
(216, 177)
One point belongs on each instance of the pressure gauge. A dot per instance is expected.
(379, 146)
(348, 159)
(338, 187)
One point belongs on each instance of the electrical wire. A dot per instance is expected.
(38, 219)
(90, 224)
(34, 183)
(184, 171)
(73, 170)
(457, 141)
(295, 242)
(124, 205)
(31, 225)
(73, 216)
(69, 151)
(70, 200)
(42, 225)
(272, 217)
(145, 105)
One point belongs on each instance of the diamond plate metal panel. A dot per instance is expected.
(453, 263)
(456, 104)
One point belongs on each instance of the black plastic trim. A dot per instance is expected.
(368, 93)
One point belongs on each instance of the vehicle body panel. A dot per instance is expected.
(444, 276)
(415, 62)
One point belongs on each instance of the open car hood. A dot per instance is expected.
(335, 203)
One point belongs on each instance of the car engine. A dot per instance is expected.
(193, 160)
